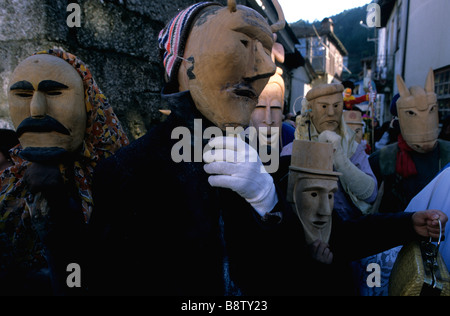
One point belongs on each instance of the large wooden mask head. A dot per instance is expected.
(268, 114)
(46, 103)
(311, 187)
(418, 114)
(326, 103)
(227, 62)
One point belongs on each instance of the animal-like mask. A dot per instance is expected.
(46, 103)
(227, 63)
(418, 114)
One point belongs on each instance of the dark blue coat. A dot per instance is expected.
(160, 229)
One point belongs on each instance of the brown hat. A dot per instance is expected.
(310, 159)
(324, 89)
(353, 117)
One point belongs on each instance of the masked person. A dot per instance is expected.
(324, 266)
(353, 119)
(267, 117)
(189, 220)
(65, 127)
(404, 168)
(321, 120)
(407, 166)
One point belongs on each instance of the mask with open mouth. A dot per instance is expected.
(227, 62)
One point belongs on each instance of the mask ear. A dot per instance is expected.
(429, 83)
(402, 89)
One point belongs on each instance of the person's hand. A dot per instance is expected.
(235, 165)
(426, 223)
(320, 251)
(361, 184)
(339, 158)
(41, 177)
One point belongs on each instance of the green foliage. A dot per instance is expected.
(354, 37)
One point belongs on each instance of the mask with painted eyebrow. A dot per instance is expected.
(21, 85)
(29, 108)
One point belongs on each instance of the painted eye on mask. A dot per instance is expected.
(24, 94)
(410, 113)
(433, 108)
(314, 194)
(245, 43)
(330, 196)
(53, 93)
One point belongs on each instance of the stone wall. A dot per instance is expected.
(117, 39)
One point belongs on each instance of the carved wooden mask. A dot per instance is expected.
(46, 102)
(326, 104)
(314, 201)
(269, 110)
(227, 62)
(418, 114)
(354, 120)
(311, 187)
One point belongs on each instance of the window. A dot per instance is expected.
(442, 90)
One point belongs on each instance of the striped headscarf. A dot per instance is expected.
(172, 39)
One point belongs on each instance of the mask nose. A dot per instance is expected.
(330, 110)
(325, 208)
(268, 117)
(424, 147)
(260, 64)
(38, 105)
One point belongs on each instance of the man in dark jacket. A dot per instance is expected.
(407, 166)
(180, 223)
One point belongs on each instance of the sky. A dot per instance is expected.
(310, 10)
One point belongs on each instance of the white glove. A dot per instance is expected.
(236, 165)
(360, 183)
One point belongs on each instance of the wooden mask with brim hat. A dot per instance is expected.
(311, 186)
(418, 114)
(354, 120)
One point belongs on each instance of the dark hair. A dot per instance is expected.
(8, 139)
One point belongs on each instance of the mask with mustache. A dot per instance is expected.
(46, 100)
(226, 64)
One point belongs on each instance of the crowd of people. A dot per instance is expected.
(136, 221)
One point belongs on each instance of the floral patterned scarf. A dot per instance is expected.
(103, 136)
